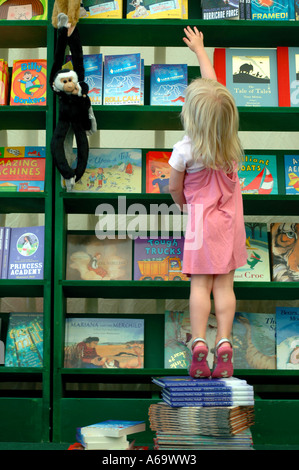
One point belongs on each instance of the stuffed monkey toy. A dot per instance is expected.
(71, 8)
(75, 111)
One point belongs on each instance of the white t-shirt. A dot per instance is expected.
(181, 157)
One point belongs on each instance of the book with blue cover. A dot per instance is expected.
(287, 337)
(168, 83)
(270, 11)
(122, 80)
(26, 253)
(113, 428)
(291, 171)
(93, 68)
(258, 174)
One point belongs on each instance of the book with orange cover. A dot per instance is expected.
(29, 83)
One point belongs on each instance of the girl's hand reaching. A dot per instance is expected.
(193, 39)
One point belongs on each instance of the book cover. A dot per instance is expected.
(220, 10)
(104, 343)
(29, 82)
(296, 10)
(258, 174)
(157, 171)
(257, 267)
(291, 171)
(93, 68)
(23, 152)
(122, 79)
(249, 74)
(168, 83)
(22, 174)
(5, 257)
(287, 321)
(154, 9)
(284, 251)
(24, 342)
(103, 9)
(111, 171)
(90, 258)
(158, 259)
(26, 253)
(270, 11)
(24, 10)
(254, 340)
(113, 428)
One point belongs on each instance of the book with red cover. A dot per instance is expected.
(288, 75)
(157, 171)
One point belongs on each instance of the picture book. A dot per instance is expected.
(168, 83)
(155, 9)
(288, 74)
(93, 68)
(291, 171)
(158, 259)
(111, 171)
(23, 10)
(24, 342)
(122, 79)
(4, 82)
(29, 82)
(104, 343)
(249, 74)
(257, 267)
(296, 10)
(157, 171)
(287, 337)
(113, 428)
(284, 251)
(220, 10)
(23, 152)
(26, 253)
(90, 258)
(274, 10)
(22, 174)
(5, 252)
(254, 340)
(103, 9)
(258, 174)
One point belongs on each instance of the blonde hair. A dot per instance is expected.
(211, 120)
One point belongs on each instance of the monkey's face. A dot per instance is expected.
(68, 84)
(66, 80)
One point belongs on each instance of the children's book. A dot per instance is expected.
(288, 74)
(23, 152)
(291, 171)
(4, 81)
(103, 8)
(104, 343)
(111, 171)
(122, 79)
(29, 83)
(249, 74)
(2, 230)
(23, 10)
(287, 337)
(257, 268)
(113, 428)
(258, 174)
(274, 10)
(254, 340)
(157, 171)
(22, 174)
(93, 68)
(154, 9)
(284, 251)
(168, 83)
(26, 253)
(158, 259)
(24, 342)
(91, 258)
(5, 254)
(220, 9)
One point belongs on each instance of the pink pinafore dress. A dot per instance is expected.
(215, 233)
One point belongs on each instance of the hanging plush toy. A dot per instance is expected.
(71, 8)
(75, 111)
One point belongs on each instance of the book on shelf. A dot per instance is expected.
(284, 251)
(251, 75)
(257, 267)
(93, 259)
(23, 253)
(24, 341)
(112, 428)
(4, 82)
(93, 68)
(156, 9)
(288, 62)
(296, 8)
(168, 83)
(221, 10)
(157, 171)
(25, 10)
(110, 171)
(21, 170)
(287, 339)
(258, 174)
(2, 232)
(102, 442)
(103, 9)
(291, 171)
(104, 343)
(158, 259)
(270, 11)
(122, 80)
(28, 82)
(254, 340)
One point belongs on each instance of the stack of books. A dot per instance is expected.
(203, 414)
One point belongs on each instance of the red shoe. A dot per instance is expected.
(199, 367)
(223, 366)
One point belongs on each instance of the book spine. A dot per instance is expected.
(242, 15)
(248, 9)
(1, 246)
(6, 246)
(283, 76)
(220, 65)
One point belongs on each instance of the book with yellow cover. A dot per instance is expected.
(29, 82)
(154, 9)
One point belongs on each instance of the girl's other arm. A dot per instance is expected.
(176, 187)
(194, 40)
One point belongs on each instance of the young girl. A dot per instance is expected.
(204, 179)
